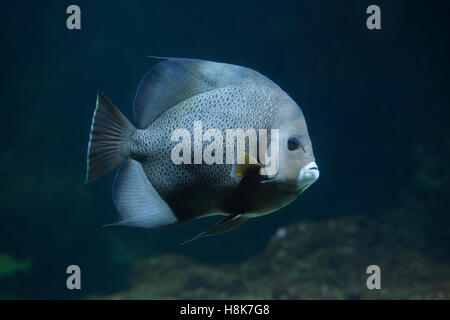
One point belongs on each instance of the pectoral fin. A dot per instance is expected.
(244, 165)
(227, 224)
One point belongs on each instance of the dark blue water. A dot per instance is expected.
(372, 99)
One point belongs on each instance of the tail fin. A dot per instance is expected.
(108, 141)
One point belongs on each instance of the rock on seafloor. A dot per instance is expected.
(306, 260)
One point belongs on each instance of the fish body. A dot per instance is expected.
(198, 96)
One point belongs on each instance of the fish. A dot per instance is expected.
(151, 189)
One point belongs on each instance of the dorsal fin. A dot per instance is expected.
(178, 79)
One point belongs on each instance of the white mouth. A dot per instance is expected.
(308, 175)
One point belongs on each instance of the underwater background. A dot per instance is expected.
(377, 108)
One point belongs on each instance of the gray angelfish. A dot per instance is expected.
(150, 190)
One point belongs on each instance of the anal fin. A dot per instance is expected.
(229, 223)
(137, 201)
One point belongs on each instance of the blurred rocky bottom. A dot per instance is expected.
(307, 260)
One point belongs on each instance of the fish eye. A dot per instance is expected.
(293, 143)
(296, 142)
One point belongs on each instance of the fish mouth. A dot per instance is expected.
(308, 175)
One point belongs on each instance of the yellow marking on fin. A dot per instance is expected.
(244, 158)
(246, 165)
